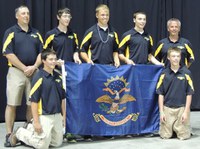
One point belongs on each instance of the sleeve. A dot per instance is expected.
(116, 42)
(160, 86)
(86, 41)
(8, 42)
(48, 40)
(35, 93)
(40, 43)
(76, 44)
(190, 54)
(60, 88)
(124, 43)
(150, 45)
(157, 53)
(190, 86)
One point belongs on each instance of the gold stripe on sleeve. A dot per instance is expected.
(36, 86)
(189, 81)
(48, 41)
(87, 37)
(8, 41)
(158, 49)
(124, 40)
(160, 81)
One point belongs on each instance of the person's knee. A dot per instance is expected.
(57, 143)
(165, 135)
(42, 145)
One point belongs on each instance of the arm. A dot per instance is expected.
(116, 59)
(187, 108)
(85, 47)
(125, 59)
(64, 111)
(36, 123)
(76, 58)
(86, 58)
(161, 108)
(31, 69)
(12, 58)
(152, 59)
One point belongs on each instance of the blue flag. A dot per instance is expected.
(104, 100)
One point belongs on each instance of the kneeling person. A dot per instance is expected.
(175, 89)
(48, 107)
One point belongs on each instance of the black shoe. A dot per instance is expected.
(7, 142)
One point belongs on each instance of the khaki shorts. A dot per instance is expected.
(17, 85)
(174, 123)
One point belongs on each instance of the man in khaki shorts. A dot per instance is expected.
(22, 45)
(175, 89)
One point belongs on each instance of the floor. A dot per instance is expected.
(141, 142)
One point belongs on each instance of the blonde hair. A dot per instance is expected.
(101, 6)
(173, 49)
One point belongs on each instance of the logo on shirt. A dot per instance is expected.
(111, 35)
(58, 80)
(146, 38)
(34, 36)
(113, 104)
(70, 37)
(180, 47)
(181, 78)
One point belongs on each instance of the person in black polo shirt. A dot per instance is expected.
(62, 39)
(22, 45)
(175, 89)
(48, 107)
(136, 44)
(100, 42)
(65, 42)
(174, 40)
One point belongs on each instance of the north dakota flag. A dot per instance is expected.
(104, 100)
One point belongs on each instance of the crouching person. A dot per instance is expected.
(175, 89)
(48, 108)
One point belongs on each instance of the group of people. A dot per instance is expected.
(45, 96)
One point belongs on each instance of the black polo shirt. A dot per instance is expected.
(47, 90)
(100, 44)
(25, 45)
(175, 86)
(136, 46)
(65, 44)
(187, 55)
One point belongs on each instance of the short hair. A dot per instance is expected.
(173, 49)
(101, 6)
(138, 12)
(46, 52)
(174, 19)
(22, 6)
(64, 10)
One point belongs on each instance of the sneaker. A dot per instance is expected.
(70, 138)
(7, 142)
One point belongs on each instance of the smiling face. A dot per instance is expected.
(103, 16)
(173, 28)
(140, 21)
(23, 16)
(50, 62)
(64, 19)
(174, 56)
